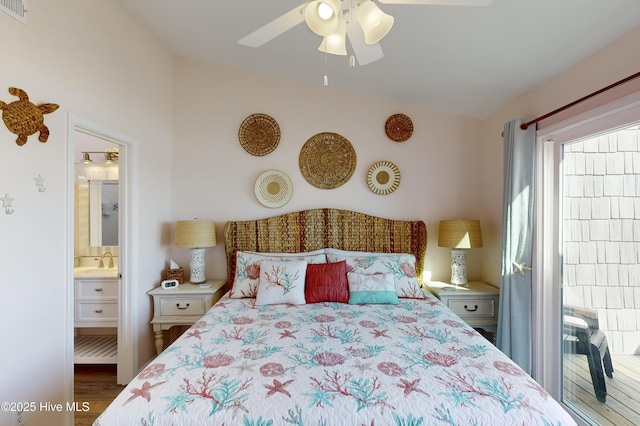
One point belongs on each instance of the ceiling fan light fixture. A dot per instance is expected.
(322, 16)
(374, 22)
(325, 11)
(336, 42)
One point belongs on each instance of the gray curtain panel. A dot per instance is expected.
(514, 320)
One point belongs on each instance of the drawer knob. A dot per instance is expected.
(475, 308)
(97, 289)
(98, 311)
(178, 306)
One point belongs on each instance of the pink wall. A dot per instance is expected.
(451, 167)
(213, 177)
(86, 57)
(612, 63)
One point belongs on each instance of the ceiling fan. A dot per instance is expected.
(335, 21)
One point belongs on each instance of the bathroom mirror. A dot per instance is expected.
(103, 212)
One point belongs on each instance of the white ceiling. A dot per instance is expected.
(465, 60)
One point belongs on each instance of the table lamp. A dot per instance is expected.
(459, 235)
(196, 234)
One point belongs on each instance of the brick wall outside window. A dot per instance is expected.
(601, 229)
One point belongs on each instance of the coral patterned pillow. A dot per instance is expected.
(327, 283)
(371, 289)
(281, 282)
(247, 273)
(401, 265)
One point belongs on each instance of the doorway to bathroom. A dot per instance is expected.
(96, 276)
(102, 329)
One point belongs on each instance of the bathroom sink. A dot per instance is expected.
(92, 271)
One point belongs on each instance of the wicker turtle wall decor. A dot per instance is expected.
(25, 118)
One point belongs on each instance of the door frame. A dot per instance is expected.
(547, 291)
(547, 297)
(127, 244)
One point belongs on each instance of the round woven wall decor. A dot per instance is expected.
(273, 188)
(383, 177)
(398, 127)
(327, 160)
(259, 134)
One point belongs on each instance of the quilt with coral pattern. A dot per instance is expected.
(415, 363)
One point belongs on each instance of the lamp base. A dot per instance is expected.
(197, 266)
(459, 267)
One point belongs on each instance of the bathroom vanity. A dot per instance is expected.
(96, 302)
(96, 307)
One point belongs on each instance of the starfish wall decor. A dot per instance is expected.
(7, 204)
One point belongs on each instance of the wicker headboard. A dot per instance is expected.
(320, 228)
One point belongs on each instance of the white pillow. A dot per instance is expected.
(371, 289)
(281, 282)
(401, 265)
(247, 274)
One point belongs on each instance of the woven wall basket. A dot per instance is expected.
(273, 188)
(327, 160)
(259, 134)
(383, 177)
(398, 127)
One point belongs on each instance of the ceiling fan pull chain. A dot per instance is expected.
(326, 78)
(352, 57)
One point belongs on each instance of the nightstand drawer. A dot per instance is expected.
(182, 306)
(96, 311)
(473, 308)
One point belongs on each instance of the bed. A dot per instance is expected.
(358, 345)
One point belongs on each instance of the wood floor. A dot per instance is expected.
(622, 406)
(96, 385)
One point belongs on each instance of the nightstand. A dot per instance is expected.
(476, 303)
(183, 305)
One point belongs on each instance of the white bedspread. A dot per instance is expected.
(415, 363)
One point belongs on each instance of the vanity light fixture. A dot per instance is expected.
(196, 235)
(110, 156)
(459, 235)
(99, 168)
(86, 158)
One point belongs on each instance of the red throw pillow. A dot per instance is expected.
(327, 282)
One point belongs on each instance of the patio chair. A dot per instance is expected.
(582, 335)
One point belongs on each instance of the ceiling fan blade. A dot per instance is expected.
(276, 27)
(365, 53)
(440, 2)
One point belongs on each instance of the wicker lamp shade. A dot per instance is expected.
(461, 234)
(195, 233)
